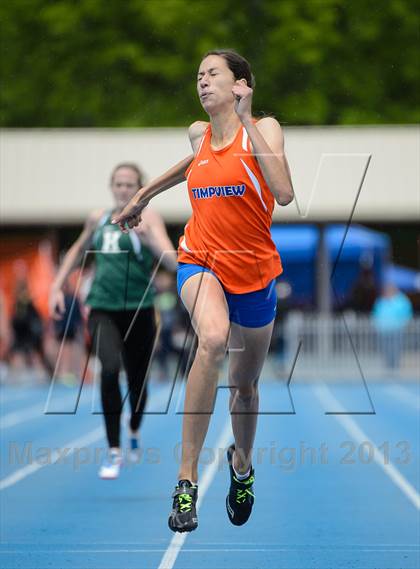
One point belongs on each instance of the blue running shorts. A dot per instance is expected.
(251, 309)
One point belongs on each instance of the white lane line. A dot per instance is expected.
(172, 552)
(72, 446)
(211, 550)
(11, 396)
(404, 395)
(33, 412)
(159, 542)
(329, 402)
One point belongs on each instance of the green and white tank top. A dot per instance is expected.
(123, 267)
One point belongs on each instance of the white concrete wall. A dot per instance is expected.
(59, 175)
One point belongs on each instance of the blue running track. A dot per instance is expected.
(332, 490)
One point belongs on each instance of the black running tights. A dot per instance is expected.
(108, 331)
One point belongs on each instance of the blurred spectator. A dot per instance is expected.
(391, 313)
(364, 291)
(66, 331)
(5, 336)
(184, 341)
(27, 350)
(167, 305)
(278, 341)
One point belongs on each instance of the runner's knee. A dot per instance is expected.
(212, 343)
(246, 392)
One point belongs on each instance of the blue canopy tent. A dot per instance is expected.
(404, 278)
(297, 246)
(348, 249)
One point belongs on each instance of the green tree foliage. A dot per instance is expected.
(69, 63)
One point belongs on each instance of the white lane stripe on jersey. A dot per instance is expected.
(329, 402)
(201, 143)
(136, 243)
(245, 139)
(185, 246)
(103, 219)
(171, 554)
(254, 181)
(72, 446)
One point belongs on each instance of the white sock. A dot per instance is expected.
(242, 476)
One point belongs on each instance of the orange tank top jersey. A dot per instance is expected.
(229, 231)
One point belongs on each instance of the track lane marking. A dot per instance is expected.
(170, 556)
(75, 444)
(32, 412)
(404, 396)
(329, 402)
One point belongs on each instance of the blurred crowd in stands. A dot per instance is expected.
(33, 347)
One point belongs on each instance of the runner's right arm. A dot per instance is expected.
(131, 214)
(71, 260)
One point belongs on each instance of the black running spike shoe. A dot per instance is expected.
(184, 515)
(240, 499)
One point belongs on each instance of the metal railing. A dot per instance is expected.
(341, 340)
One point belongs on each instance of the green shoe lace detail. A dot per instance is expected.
(185, 502)
(242, 494)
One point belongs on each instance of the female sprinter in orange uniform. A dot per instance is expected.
(227, 266)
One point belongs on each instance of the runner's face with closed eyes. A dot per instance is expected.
(214, 84)
(124, 186)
